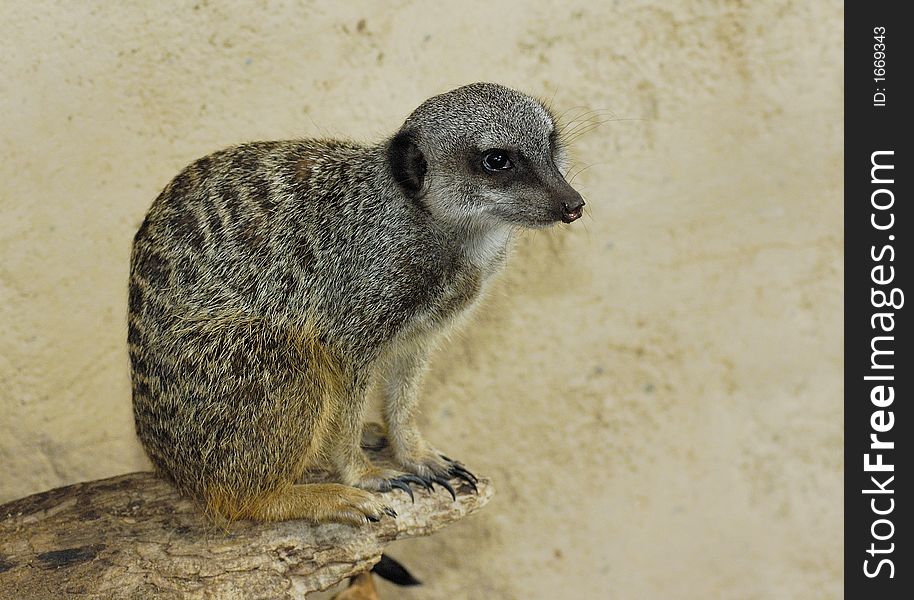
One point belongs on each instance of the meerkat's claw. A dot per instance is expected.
(443, 483)
(399, 484)
(403, 483)
(466, 477)
(390, 512)
(372, 518)
(410, 478)
(458, 470)
(456, 465)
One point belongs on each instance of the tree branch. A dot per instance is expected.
(133, 536)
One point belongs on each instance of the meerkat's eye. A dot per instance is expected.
(496, 160)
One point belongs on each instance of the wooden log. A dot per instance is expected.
(133, 536)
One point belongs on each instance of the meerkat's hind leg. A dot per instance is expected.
(320, 503)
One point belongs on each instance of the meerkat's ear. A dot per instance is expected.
(407, 164)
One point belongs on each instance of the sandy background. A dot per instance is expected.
(655, 390)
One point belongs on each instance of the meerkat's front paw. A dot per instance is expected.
(384, 480)
(433, 467)
(425, 466)
(459, 471)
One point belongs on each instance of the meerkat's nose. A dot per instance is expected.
(572, 208)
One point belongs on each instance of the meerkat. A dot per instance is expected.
(271, 283)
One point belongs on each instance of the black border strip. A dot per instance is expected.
(878, 367)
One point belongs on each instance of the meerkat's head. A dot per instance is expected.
(484, 153)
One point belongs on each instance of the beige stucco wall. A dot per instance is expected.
(655, 390)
